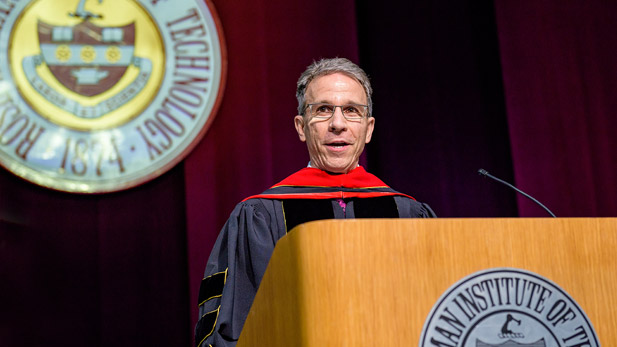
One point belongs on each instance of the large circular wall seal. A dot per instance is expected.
(507, 308)
(102, 95)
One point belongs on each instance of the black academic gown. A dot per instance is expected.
(244, 246)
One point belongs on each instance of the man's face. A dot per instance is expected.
(334, 144)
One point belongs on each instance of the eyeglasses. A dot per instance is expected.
(324, 111)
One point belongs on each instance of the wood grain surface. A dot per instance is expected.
(373, 282)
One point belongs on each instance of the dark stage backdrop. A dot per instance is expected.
(560, 76)
(522, 89)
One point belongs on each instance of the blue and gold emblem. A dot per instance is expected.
(102, 95)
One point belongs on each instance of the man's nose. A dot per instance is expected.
(338, 121)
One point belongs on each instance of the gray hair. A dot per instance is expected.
(330, 66)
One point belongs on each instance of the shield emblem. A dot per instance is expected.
(510, 343)
(86, 58)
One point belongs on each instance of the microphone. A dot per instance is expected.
(485, 173)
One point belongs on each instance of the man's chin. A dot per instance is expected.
(335, 169)
(334, 165)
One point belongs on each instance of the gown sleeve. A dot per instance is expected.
(233, 272)
(409, 208)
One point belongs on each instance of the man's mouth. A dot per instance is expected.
(337, 144)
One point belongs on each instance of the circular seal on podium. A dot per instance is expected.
(507, 307)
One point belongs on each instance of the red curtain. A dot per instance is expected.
(560, 84)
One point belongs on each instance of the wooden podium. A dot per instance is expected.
(373, 282)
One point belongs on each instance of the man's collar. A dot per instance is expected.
(313, 177)
(312, 183)
(309, 165)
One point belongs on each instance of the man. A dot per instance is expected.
(335, 120)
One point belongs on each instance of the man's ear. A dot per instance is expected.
(299, 124)
(369, 129)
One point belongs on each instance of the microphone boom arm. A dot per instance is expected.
(485, 173)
